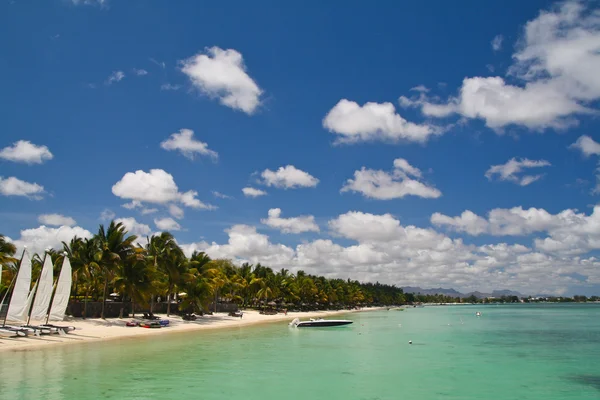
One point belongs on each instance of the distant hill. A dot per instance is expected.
(454, 293)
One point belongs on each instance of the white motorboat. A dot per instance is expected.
(320, 322)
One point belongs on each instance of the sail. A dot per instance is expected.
(17, 308)
(44, 291)
(62, 294)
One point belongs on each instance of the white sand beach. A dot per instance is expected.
(90, 330)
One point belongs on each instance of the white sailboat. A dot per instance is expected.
(44, 292)
(17, 308)
(61, 296)
(19, 302)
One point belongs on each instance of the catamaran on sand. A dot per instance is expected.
(26, 305)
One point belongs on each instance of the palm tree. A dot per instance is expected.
(85, 256)
(134, 277)
(116, 247)
(7, 251)
(169, 259)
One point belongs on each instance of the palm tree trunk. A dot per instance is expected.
(216, 296)
(104, 296)
(169, 299)
(85, 305)
(132, 306)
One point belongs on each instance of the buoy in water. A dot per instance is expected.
(410, 342)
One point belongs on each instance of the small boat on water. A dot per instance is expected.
(320, 322)
(478, 314)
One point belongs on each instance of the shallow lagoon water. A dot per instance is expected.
(521, 352)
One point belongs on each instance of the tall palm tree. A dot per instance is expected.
(85, 256)
(116, 247)
(169, 259)
(134, 277)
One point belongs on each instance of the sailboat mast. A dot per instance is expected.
(11, 283)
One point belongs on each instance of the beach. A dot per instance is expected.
(96, 329)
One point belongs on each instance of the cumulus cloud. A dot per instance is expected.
(220, 195)
(185, 143)
(252, 192)
(140, 72)
(353, 123)
(497, 42)
(43, 237)
(167, 224)
(288, 177)
(568, 232)
(12, 186)
(221, 74)
(176, 211)
(556, 62)
(157, 187)
(512, 168)
(303, 223)
(107, 215)
(404, 180)
(116, 76)
(587, 146)
(26, 152)
(134, 227)
(56, 220)
(385, 250)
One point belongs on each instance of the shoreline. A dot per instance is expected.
(112, 329)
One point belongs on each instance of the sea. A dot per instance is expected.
(521, 351)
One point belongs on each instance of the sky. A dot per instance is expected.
(415, 143)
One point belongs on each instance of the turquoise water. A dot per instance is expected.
(510, 352)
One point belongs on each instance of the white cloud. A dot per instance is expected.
(381, 185)
(107, 215)
(245, 244)
(169, 86)
(134, 227)
(420, 88)
(386, 251)
(140, 72)
(512, 168)
(116, 76)
(497, 42)
(587, 146)
(146, 211)
(189, 199)
(100, 3)
(222, 74)
(26, 152)
(12, 186)
(156, 186)
(373, 121)
(365, 227)
(569, 232)
(303, 223)
(252, 192)
(468, 222)
(167, 224)
(557, 62)
(288, 177)
(185, 143)
(41, 238)
(221, 195)
(56, 220)
(176, 211)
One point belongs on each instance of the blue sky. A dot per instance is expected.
(447, 91)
